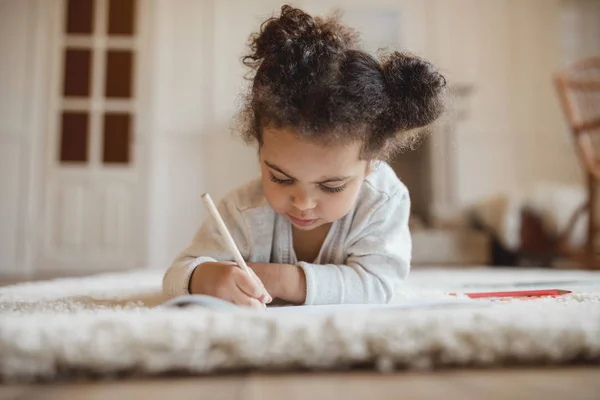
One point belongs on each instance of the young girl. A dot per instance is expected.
(327, 221)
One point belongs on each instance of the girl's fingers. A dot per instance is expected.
(250, 285)
(242, 299)
(266, 297)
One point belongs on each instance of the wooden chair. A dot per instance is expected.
(578, 86)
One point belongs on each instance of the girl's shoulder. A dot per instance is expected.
(382, 196)
(383, 184)
(247, 196)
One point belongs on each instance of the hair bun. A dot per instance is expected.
(297, 44)
(415, 89)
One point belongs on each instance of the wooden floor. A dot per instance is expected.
(564, 383)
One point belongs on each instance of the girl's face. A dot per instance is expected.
(310, 184)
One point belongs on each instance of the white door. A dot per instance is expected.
(94, 198)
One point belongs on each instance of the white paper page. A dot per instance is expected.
(221, 305)
(403, 304)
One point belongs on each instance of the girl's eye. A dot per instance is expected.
(324, 188)
(281, 181)
(334, 189)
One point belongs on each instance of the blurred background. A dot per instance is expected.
(116, 115)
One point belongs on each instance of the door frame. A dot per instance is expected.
(32, 142)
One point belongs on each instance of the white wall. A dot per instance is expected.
(580, 22)
(515, 134)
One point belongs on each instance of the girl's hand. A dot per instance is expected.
(283, 281)
(229, 282)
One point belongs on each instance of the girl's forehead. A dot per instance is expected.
(286, 142)
(287, 137)
(287, 151)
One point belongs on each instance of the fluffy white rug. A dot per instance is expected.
(109, 325)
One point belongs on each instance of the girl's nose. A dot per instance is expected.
(302, 201)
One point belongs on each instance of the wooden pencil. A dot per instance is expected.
(227, 238)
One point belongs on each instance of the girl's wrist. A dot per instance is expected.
(283, 281)
(292, 284)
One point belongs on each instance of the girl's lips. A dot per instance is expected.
(301, 222)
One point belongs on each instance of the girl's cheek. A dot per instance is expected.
(345, 202)
(276, 196)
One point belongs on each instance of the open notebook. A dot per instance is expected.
(222, 305)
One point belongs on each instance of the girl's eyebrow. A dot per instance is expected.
(335, 179)
(328, 180)
(276, 168)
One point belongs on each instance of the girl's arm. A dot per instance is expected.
(206, 246)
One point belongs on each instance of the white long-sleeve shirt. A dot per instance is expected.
(365, 254)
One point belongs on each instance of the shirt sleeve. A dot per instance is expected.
(206, 246)
(379, 257)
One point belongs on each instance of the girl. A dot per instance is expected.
(326, 222)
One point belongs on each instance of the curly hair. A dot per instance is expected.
(309, 74)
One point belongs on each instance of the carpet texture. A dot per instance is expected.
(108, 325)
